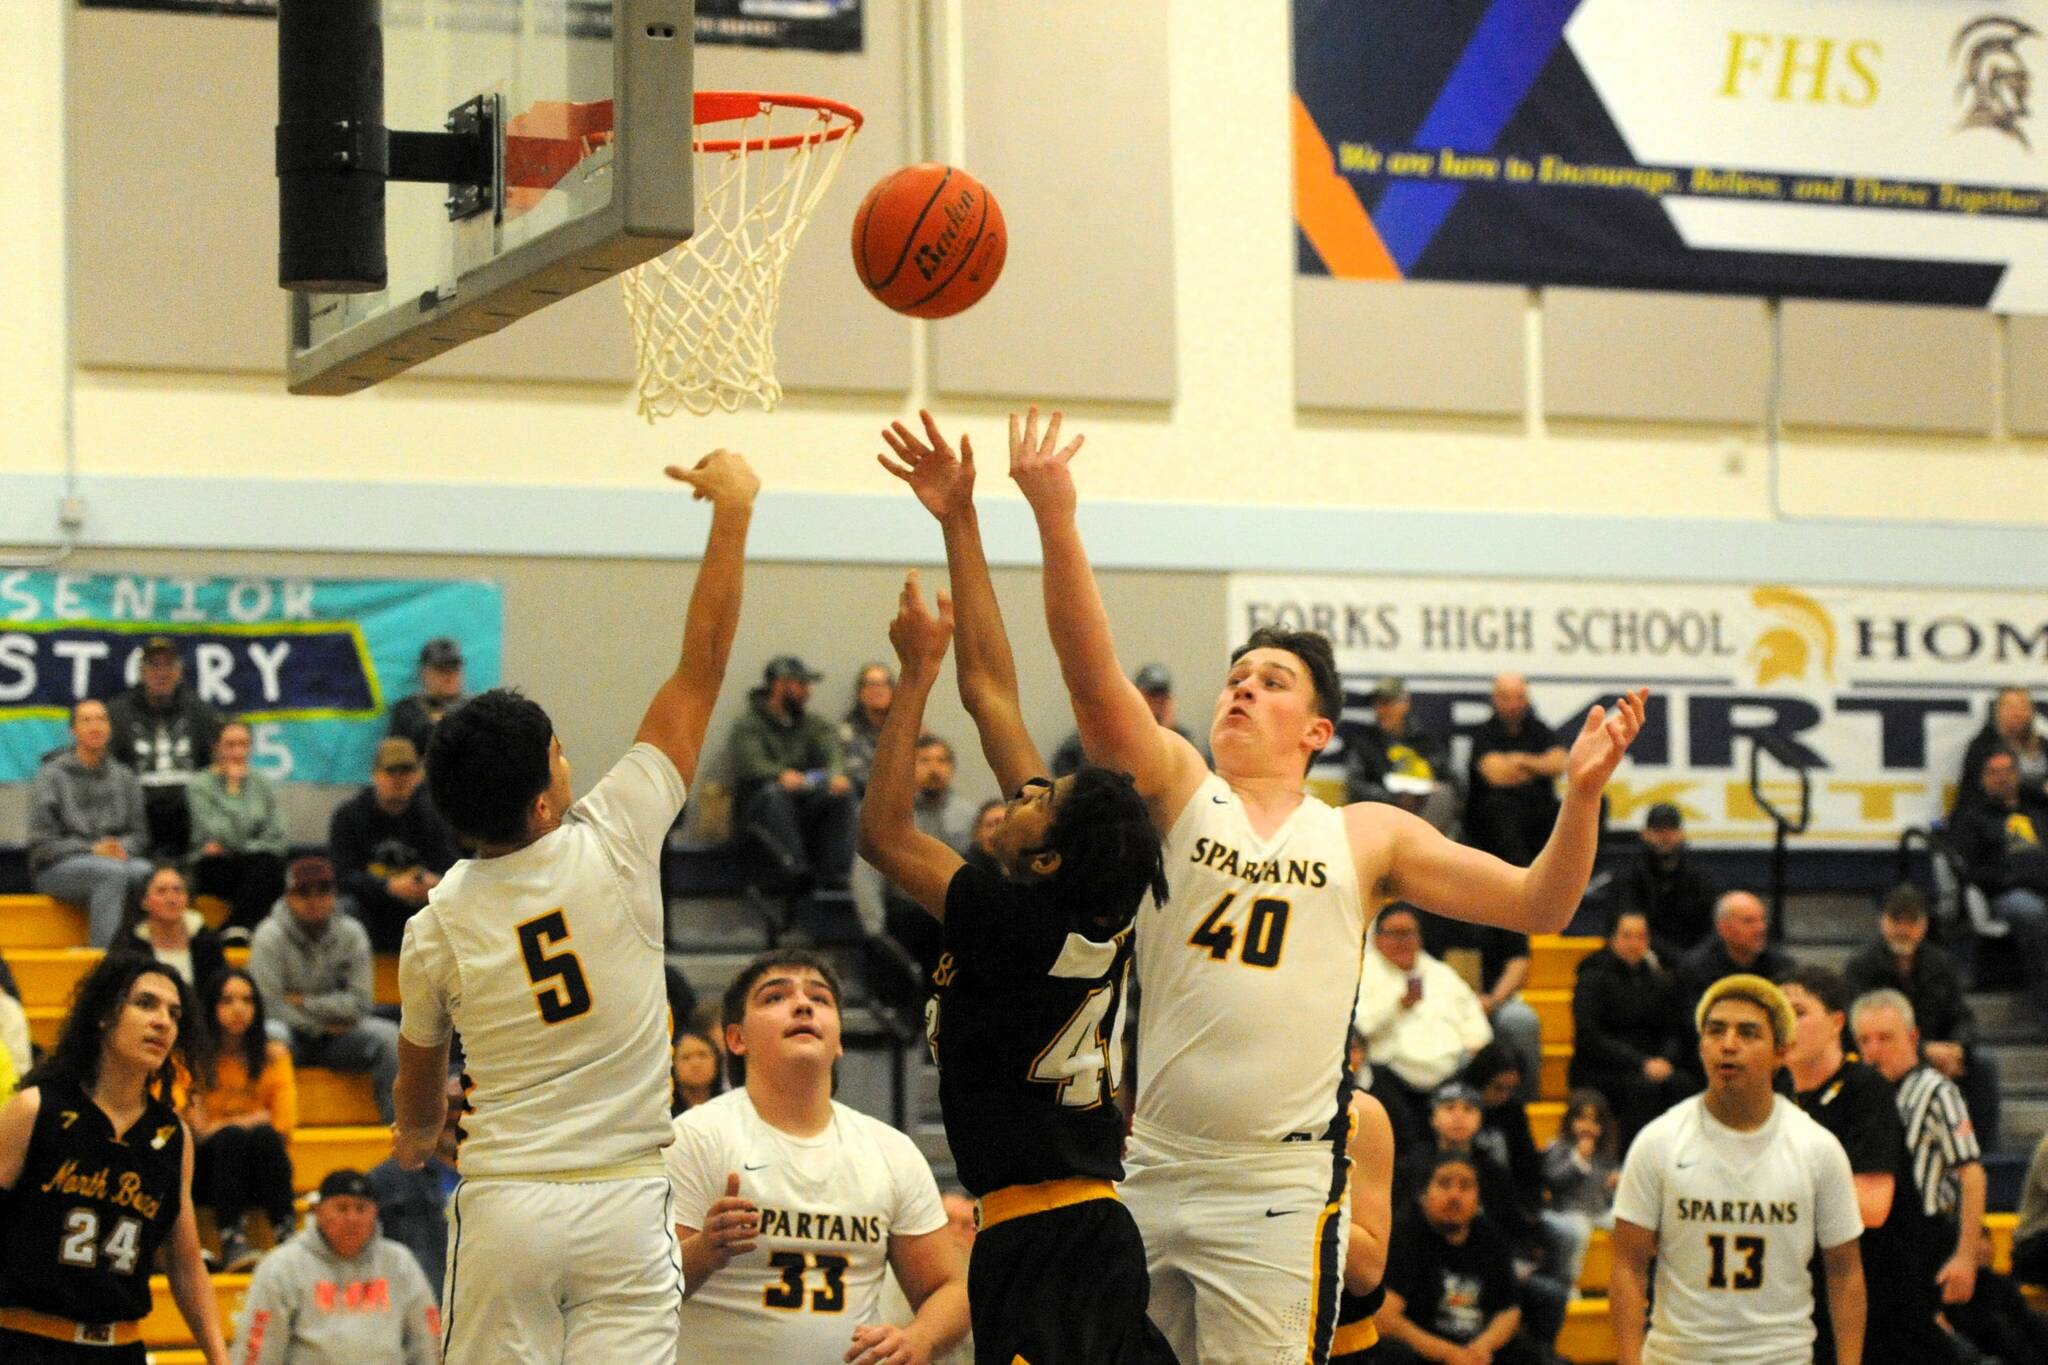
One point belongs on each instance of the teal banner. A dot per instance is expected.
(314, 665)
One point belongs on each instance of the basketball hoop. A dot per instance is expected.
(704, 313)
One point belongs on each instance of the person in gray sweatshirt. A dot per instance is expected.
(339, 1294)
(87, 832)
(314, 969)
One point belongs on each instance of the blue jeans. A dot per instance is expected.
(1516, 1025)
(102, 885)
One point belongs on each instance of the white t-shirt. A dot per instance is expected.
(829, 1206)
(1737, 1217)
(1250, 973)
(549, 963)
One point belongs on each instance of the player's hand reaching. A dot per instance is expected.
(722, 478)
(731, 1224)
(1602, 740)
(943, 481)
(1039, 465)
(920, 637)
(877, 1345)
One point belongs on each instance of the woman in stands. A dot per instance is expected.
(238, 834)
(162, 925)
(96, 1176)
(242, 1123)
(694, 1070)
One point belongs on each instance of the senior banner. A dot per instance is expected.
(313, 665)
(1882, 149)
(1875, 691)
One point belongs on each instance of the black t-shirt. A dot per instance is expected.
(89, 1210)
(1027, 1028)
(1451, 1291)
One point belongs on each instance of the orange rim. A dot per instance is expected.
(731, 106)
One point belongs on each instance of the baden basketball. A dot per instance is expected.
(929, 240)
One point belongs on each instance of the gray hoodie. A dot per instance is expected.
(331, 969)
(72, 807)
(307, 1306)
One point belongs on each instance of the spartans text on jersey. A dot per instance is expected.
(1288, 872)
(1738, 1211)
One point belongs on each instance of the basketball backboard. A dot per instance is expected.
(587, 106)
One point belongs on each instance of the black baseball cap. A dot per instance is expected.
(1664, 815)
(1389, 689)
(346, 1181)
(789, 666)
(161, 644)
(441, 652)
(1153, 678)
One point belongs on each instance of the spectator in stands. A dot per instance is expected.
(981, 850)
(2030, 1236)
(390, 844)
(338, 1294)
(414, 718)
(88, 835)
(1450, 1282)
(239, 841)
(1155, 682)
(1665, 885)
(242, 1123)
(1946, 1161)
(1511, 796)
(789, 773)
(1420, 1021)
(1740, 943)
(1496, 963)
(162, 924)
(1997, 1320)
(1398, 762)
(1901, 1246)
(166, 734)
(1902, 959)
(314, 970)
(693, 1072)
(412, 1206)
(1560, 1243)
(2015, 727)
(1998, 833)
(874, 689)
(1629, 1034)
(1581, 1167)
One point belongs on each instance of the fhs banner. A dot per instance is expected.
(314, 665)
(1871, 149)
(1875, 691)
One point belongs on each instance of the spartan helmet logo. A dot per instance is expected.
(1994, 85)
(1803, 634)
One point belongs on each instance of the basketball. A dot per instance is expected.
(929, 240)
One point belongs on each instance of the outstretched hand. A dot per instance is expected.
(1039, 464)
(721, 478)
(943, 481)
(920, 637)
(1602, 740)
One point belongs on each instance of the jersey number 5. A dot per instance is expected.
(558, 985)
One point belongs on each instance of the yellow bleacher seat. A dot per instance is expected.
(1599, 1263)
(1554, 1012)
(2001, 1226)
(1557, 1060)
(47, 976)
(40, 922)
(1587, 1337)
(1545, 1118)
(385, 988)
(44, 1021)
(317, 1151)
(164, 1327)
(1554, 959)
(335, 1099)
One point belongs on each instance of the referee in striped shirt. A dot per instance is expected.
(1948, 1166)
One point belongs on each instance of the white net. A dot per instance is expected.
(704, 313)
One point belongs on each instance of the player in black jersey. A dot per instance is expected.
(1027, 1023)
(96, 1174)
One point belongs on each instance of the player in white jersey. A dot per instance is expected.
(544, 950)
(1249, 973)
(1733, 1192)
(790, 1206)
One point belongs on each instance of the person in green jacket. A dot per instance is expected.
(790, 780)
(238, 835)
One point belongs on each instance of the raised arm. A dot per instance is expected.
(1429, 870)
(944, 483)
(676, 718)
(889, 837)
(1117, 727)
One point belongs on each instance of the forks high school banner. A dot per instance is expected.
(1868, 149)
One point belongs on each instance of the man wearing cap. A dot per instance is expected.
(1155, 684)
(1397, 761)
(338, 1294)
(166, 734)
(1666, 887)
(390, 844)
(415, 717)
(789, 775)
(1734, 1193)
(314, 970)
